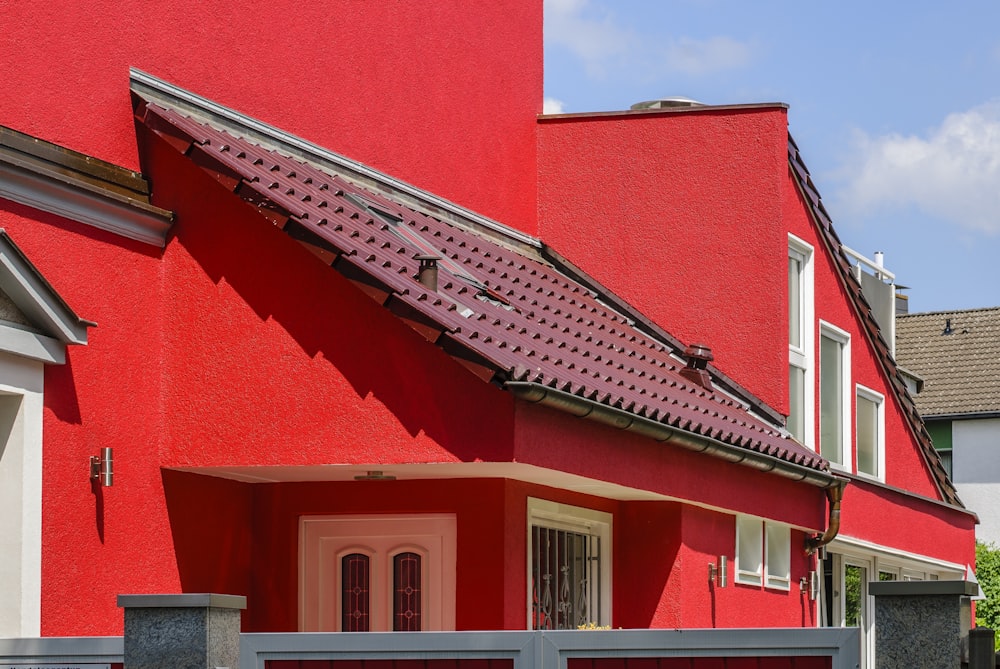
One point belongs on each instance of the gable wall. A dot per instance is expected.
(869, 513)
(678, 212)
(430, 93)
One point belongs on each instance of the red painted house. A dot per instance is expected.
(380, 348)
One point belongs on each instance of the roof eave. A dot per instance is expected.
(623, 420)
(62, 188)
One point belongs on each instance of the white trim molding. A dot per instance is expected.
(60, 181)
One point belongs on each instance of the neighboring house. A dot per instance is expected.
(366, 407)
(956, 355)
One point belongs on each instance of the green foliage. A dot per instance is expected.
(988, 574)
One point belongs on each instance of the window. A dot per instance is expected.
(377, 573)
(763, 553)
(800, 340)
(870, 439)
(777, 555)
(834, 384)
(569, 566)
(940, 432)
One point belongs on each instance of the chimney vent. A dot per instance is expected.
(698, 356)
(427, 272)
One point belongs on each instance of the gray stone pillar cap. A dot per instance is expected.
(188, 600)
(922, 588)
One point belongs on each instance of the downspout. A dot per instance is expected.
(835, 495)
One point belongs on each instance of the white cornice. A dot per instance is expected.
(108, 211)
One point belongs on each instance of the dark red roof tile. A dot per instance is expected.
(495, 308)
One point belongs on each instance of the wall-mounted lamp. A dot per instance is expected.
(102, 467)
(810, 585)
(717, 575)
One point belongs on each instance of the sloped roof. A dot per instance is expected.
(882, 352)
(499, 307)
(957, 353)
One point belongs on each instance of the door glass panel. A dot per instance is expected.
(356, 592)
(854, 594)
(406, 603)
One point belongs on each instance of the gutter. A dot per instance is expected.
(623, 420)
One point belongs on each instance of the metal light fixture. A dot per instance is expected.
(810, 585)
(718, 574)
(102, 467)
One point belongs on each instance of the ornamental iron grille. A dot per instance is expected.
(565, 579)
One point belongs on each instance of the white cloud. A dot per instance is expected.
(552, 106)
(593, 34)
(953, 173)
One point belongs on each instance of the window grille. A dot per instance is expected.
(406, 592)
(356, 569)
(566, 579)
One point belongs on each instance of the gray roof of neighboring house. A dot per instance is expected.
(957, 353)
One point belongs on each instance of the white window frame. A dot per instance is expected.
(801, 357)
(878, 399)
(832, 332)
(770, 565)
(547, 513)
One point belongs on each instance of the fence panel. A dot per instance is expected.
(828, 648)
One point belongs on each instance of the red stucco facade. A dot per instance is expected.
(232, 348)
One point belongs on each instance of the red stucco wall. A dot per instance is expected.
(680, 214)
(423, 91)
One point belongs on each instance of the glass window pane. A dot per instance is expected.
(355, 594)
(406, 592)
(831, 394)
(867, 417)
(854, 591)
(749, 549)
(794, 302)
(778, 554)
(796, 403)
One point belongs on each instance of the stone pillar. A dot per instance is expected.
(193, 631)
(921, 624)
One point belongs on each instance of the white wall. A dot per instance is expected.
(976, 468)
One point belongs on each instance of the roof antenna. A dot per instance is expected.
(947, 327)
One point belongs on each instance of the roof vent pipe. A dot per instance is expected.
(675, 102)
(427, 272)
(698, 356)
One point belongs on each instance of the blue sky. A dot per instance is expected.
(895, 107)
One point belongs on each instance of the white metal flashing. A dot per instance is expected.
(40, 303)
(163, 93)
(78, 202)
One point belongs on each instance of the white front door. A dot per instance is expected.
(375, 573)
